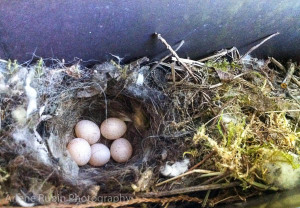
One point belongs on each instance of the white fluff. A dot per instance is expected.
(17, 80)
(140, 79)
(3, 86)
(31, 94)
(256, 63)
(282, 175)
(260, 63)
(228, 118)
(33, 144)
(247, 59)
(19, 114)
(176, 169)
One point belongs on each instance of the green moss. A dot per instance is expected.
(12, 67)
(39, 71)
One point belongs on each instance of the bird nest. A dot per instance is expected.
(225, 127)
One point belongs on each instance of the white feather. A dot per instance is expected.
(176, 169)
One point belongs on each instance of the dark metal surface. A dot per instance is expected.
(92, 29)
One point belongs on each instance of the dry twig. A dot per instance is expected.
(221, 53)
(191, 189)
(258, 45)
(162, 201)
(278, 64)
(202, 161)
(167, 56)
(290, 72)
(185, 174)
(175, 54)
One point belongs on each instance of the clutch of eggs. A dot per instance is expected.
(84, 149)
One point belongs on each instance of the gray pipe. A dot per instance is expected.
(94, 29)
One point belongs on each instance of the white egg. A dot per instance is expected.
(80, 151)
(87, 130)
(113, 128)
(100, 155)
(121, 150)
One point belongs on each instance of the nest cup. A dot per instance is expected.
(142, 124)
(36, 144)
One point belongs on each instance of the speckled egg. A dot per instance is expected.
(113, 128)
(121, 150)
(80, 151)
(87, 130)
(100, 155)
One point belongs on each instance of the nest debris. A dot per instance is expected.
(235, 118)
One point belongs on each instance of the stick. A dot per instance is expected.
(205, 198)
(258, 45)
(175, 54)
(191, 189)
(296, 81)
(169, 65)
(167, 56)
(290, 72)
(162, 201)
(220, 53)
(184, 174)
(236, 79)
(216, 178)
(188, 61)
(3, 61)
(278, 64)
(202, 161)
(173, 73)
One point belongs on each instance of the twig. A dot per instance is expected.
(202, 161)
(173, 73)
(175, 54)
(258, 45)
(296, 110)
(216, 178)
(292, 96)
(188, 61)
(296, 81)
(138, 62)
(162, 201)
(236, 79)
(167, 56)
(190, 189)
(223, 200)
(215, 86)
(278, 64)
(184, 174)
(205, 199)
(290, 72)
(3, 61)
(169, 65)
(261, 186)
(220, 54)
